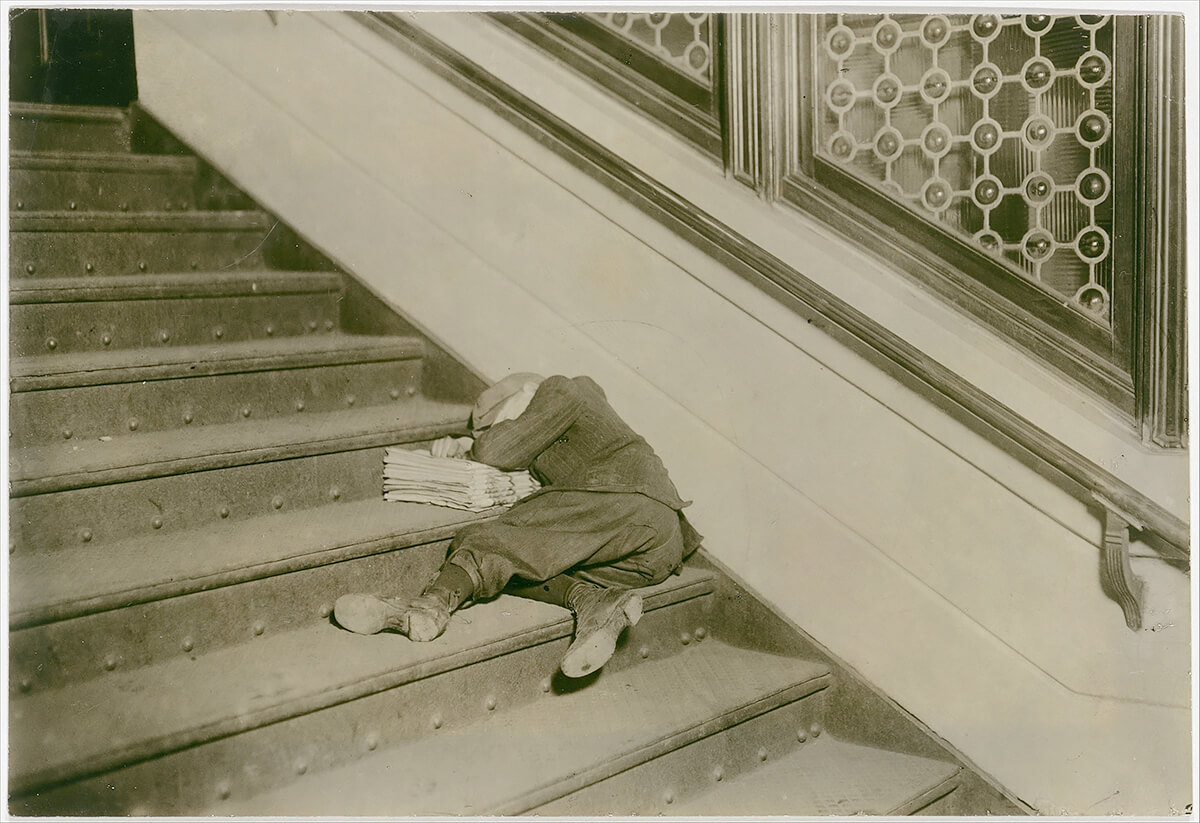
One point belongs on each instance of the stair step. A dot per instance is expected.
(42, 469)
(143, 600)
(322, 692)
(86, 181)
(827, 777)
(45, 127)
(169, 507)
(91, 394)
(58, 316)
(522, 758)
(102, 243)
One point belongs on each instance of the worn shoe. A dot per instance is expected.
(600, 617)
(422, 618)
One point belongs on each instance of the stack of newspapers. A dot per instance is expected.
(419, 477)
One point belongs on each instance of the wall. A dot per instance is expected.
(956, 579)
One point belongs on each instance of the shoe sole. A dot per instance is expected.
(588, 655)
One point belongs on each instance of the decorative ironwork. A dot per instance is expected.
(996, 127)
(682, 41)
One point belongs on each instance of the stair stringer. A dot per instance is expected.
(972, 661)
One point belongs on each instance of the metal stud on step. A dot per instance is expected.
(312, 325)
(164, 335)
(436, 721)
(669, 796)
(106, 339)
(395, 394)
(718, 773)
(224, 790)
(299, 405)
(133, 424)
(762, 755)
(224, 512)
(546, 685)
(258, 628)
(72, 205)
(66, 433)
(325, 610)
(30, 268)
(218, 332)
(277, 502)
(85, 535)
(801, 735)
(188, 644)
(701, 633)
(89, 268)
(188, 417)
(644, 651)
(123, 207)
(194, 264)
(814, 730)
(372, 742)
(270, 330)
(350, 399)
(25, 685)
(51, 343)
(410, 391)
(300, 767)
(490, 703)
(245, 411)
(685, 638)
(141, 265)
(335, 493)
(157, 522)
(328, 325)
(110, 662)
(20, 205)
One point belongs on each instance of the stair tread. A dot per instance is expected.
(102, 161)
(72, 111)
(159, 363)
(25, 291)
(826, 777)
(535, 753)
(95, 577)
(42, 468)
(188, 700)
(145, 221)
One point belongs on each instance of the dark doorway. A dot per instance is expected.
(72, 56)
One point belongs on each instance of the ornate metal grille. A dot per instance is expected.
(682, 41)
(998, 128)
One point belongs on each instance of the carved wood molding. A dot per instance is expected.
(959, 398)
(1116, 575)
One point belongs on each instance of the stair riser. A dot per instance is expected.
(61, 521)
(94, 411)
(30, 133)
(657, 786)
(101, 190)
(70, 253)
(57, 654)
(195, 780)
(45, 328)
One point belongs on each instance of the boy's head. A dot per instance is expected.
(505, 400)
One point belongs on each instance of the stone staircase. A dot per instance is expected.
(197, 441)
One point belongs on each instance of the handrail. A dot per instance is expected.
(970, 405)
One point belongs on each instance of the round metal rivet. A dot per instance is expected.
(701, 633)
(490, 703)
(67, 434)
(224, 790)
(395, 393)
(270, 330)
(762, 754)
(123, 207)
(110, 662)
(167, 206)
(644, 651)
(277, 502)
(259, 628)
(299, 405)
(410, 391)
(437, 721)
(20, 205)
(350, 399)
(30, 268)
(188, 644)
(25, 685)
(224, 511)
(372, 742)
(72, 205)
(194, 264)
(89, 268)
(685, 638)
(12, 546)
(312, 325)
(164, 336)
(335, 493)
(218, 332)
(814, 730)
(718, 774)
(245, 411)
(326, 609)
(51, 343)
(188, 417)
(546, 684)
(106, 339)
(141, 265)
(133, 424)
(157, 523)
(801, 735)
(669, 797)
(328, 325)
(86, 535)
(301, 767)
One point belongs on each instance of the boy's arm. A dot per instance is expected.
(513, 444)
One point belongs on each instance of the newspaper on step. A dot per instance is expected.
(416, 476)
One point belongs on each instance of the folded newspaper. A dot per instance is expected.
(419, 477)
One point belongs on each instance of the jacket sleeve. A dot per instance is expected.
(513, 444)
